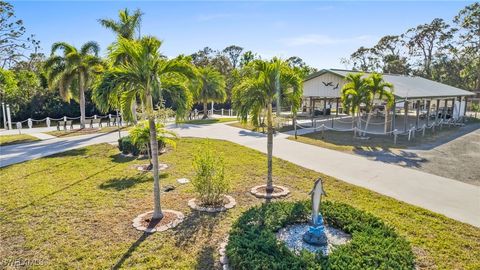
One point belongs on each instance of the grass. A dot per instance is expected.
(344, 141)
(209, 121)
(251, 127)
(15, 139)
(74, 210)
(84, 131)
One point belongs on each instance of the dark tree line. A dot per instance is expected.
(448, 52)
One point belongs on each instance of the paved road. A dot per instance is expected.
(454, 199)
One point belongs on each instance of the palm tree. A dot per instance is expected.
(143, 75)
(72, 72)
(126, 27)
(210, 87)
(353, 95)
(259, 88)
(378, 89)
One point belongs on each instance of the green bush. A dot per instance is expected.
(209, 181)
(126, 146)
(374, 245)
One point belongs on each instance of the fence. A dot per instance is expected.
(410, 133)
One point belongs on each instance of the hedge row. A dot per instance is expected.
(374, 245)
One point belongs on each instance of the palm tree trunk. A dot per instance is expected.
(205, 110)
(82, 101)
(368, 121)
(134, 112)
(157, 210)
(269, 148)
(387, 113)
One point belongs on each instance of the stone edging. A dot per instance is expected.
(231, 203)
(285, 191)
(223, 256)
(137, 222)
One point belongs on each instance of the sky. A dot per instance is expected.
(319, 32)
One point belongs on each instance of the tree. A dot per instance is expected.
(72, 72)
(300, 66)
(127, 25)
(468, 20)
(363, 59)
(143, 76)
(210, 87)
(247, 57)
(262, 82)
(13, 39)
(233, 52)
(426, 40)
(354, 93)
(390, 53)
(377, 90)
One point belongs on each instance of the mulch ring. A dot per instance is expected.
(146, 223)
(278, 191)
(228, 203)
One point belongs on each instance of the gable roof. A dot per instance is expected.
(407, 86)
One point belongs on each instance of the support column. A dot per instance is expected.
(418, 114)
(437, 109)
(336, 111)
(445, 107)
(394, 114)
(324, 106)
(405, 108)
(428, 110)
(465, 109)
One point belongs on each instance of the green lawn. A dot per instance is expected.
(84, 131)
(74, 211)
(251, 127)
(209, 121)
(14, 139)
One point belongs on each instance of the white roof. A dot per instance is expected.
(408, 86)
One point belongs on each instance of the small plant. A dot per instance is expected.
(210, 182)
(139, 136)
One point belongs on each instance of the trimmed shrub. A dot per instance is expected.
(374, 245)
(126, 146)
(209, 181)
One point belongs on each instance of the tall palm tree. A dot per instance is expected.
(143, 75)
(259, 89)
(127, 25)
(354, 93)
(72, 72)
(378, 89)
(210, 87)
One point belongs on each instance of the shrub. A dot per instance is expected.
(126, 146)
(374, 245)
(210, 182)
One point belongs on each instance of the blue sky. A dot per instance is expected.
(319, 32)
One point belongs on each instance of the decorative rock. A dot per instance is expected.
(231, 203)
(137, 222)
(292, 236)
(183, 181)
(223, 256)
(169, 188)
(260, 194)
(144, 168)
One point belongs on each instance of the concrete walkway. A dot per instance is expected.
(454, 199)
(451, 198)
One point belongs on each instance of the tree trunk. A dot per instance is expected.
(205, 110)
(366, 124)
(82, 101)
(157, 210)
(118, 125)
(387, 113)
(269, 147)
(134, 112)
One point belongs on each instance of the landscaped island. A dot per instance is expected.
(82, 215)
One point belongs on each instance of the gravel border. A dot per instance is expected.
(223, 255)
(285, 191)
(137, 222)
(192, 203)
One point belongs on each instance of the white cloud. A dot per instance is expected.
(316, 39)
(213, 17)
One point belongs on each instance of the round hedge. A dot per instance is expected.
(374, 245)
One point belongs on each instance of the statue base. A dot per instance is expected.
(316, 236)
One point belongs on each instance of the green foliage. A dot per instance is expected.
(209, 181)
(140, 137)
(126, 146)
(374, 245)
